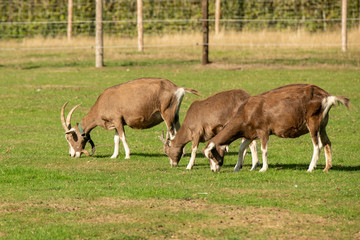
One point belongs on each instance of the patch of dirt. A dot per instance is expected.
(187, 219)
(50, 86)
(219, 218)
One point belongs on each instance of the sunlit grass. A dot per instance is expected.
(45, 194)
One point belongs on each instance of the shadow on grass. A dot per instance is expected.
(157, 155)
(292, 166)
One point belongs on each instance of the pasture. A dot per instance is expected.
(45, 194)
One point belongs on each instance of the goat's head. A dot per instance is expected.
(215, 154)
(173, 153)
(75, 136)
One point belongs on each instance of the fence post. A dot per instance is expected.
(343, 25)
(140, 25)
(70, 17)
(99, 48)
(205, 30)
(217, 17)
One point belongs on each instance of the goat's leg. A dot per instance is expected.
(169, 119)
(120, 135)
(195, 145)
(192, 159)
(254, 155)
(244, 145)
(244, 154)
(264, 147)
(327, 149)
(116, 142)
(126, 147)
(176, 124)
(316, 151)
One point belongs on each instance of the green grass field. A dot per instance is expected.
(45, 194)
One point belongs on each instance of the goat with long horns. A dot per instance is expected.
(141, 103)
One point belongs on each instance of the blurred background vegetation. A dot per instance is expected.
(48, 18)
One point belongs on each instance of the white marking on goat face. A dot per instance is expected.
(174, 154)
(208, 149)
(215, 167)
(173, 163)
(71, 149)
(76, 142)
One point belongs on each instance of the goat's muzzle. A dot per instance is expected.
(173, 163)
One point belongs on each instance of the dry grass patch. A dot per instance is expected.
(180, 219)
(265, 38)
(215, 218)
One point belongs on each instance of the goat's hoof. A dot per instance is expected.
(254, 167)
(327, 169)
(237, 169)
(114, 156)
(310, 169)
(263, 170)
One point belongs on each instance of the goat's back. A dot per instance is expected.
(284, 111)
(139, 101)
(215, 111)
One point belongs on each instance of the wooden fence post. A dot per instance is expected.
(140, 25)
(70, 17)
(344, 25)
(205, 30)
(217, 17)
(99, 48)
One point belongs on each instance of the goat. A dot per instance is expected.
(140, 103)
(200, 126)
(287, 112)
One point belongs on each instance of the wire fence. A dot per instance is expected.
(24, 19)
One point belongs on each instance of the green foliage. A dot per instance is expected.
(48, 17)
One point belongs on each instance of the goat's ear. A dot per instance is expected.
(72, 130)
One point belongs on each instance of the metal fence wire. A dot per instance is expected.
(48, 18)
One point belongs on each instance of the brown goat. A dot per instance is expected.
(200, 126)
(287, 112)
(140, 103)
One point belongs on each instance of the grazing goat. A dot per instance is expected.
(203, 120)
(140, 103)
(288, 112)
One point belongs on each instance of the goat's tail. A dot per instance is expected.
(193, 91)
(343, 100)
(330, 101)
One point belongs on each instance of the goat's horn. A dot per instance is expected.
(163, 140)
(68, 118)
(62, 116)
